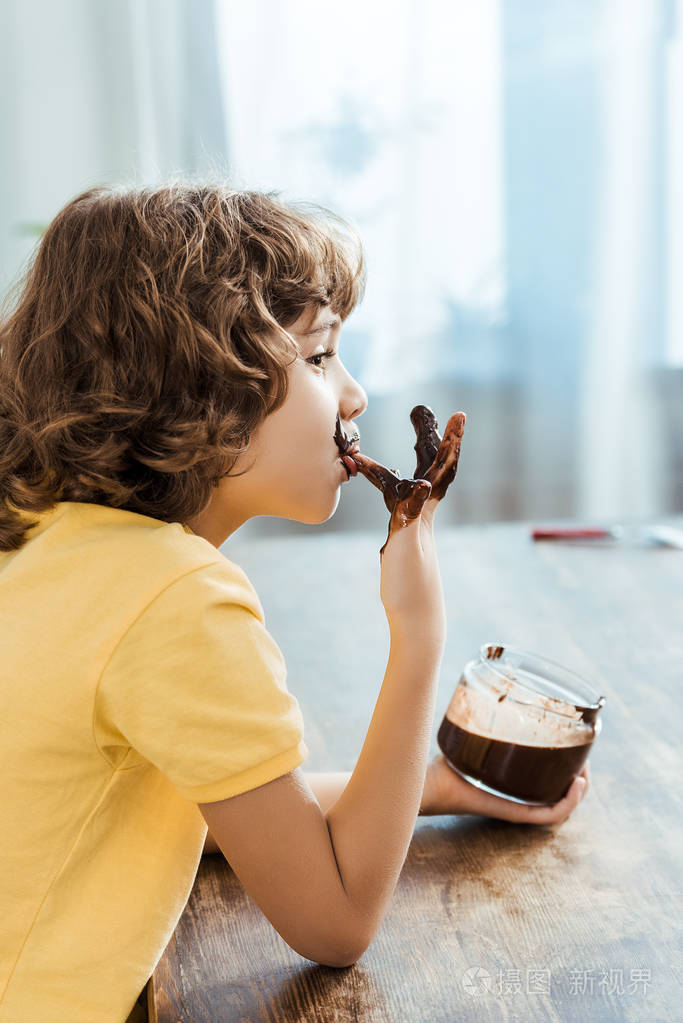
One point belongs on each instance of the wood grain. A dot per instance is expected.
(490, 921)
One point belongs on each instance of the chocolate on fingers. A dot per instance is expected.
(437, 463)
(444, 452)
(403, 498)
(428, 439)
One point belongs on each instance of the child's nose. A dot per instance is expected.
(354, 400)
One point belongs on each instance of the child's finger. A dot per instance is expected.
(428, 439)
(519, 813)
(381, 477)
(442, 471)
(412, 496)
(561, 811)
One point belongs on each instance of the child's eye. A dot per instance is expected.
(319, 357)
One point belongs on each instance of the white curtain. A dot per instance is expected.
(391, 113)
(621, 429)
(512, 173)
(97, 92)
(514, 169)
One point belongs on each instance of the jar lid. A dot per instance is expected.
(532, 678)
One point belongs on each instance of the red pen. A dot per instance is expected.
(657, 535)
(574, 533)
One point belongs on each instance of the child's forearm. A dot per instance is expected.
(372, 821)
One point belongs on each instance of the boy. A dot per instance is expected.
(170, 370)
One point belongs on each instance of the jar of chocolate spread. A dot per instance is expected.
(519, 725)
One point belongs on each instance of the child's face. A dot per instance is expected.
(292, 467)
(296, 458)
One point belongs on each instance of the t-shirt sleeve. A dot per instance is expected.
(198, 687)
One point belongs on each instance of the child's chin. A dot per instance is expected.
(316, 517)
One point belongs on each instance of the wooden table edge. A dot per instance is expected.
(151, 1002)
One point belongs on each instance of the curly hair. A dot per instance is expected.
(149, 340)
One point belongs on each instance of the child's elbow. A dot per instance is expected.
(338, 951)
(345, 955)
(339, 959)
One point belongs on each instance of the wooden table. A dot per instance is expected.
(490, 921)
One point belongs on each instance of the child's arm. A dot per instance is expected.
(326, 786)
(324, 881)
(445, 792)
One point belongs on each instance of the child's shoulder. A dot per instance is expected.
(136, 556)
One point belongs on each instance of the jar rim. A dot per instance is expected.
(559, 684)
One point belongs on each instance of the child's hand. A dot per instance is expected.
(445, 792)
(411, 589)
(437, 464)
(410, 586)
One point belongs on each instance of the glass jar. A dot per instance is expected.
(520, 725)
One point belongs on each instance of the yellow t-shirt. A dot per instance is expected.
(136, 679)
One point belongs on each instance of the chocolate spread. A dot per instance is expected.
(534, 774)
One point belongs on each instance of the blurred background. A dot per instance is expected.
(514, 168)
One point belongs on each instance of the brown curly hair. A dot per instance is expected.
(150, 339)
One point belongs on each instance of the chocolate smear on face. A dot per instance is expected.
(342, 441)
(437, 464)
